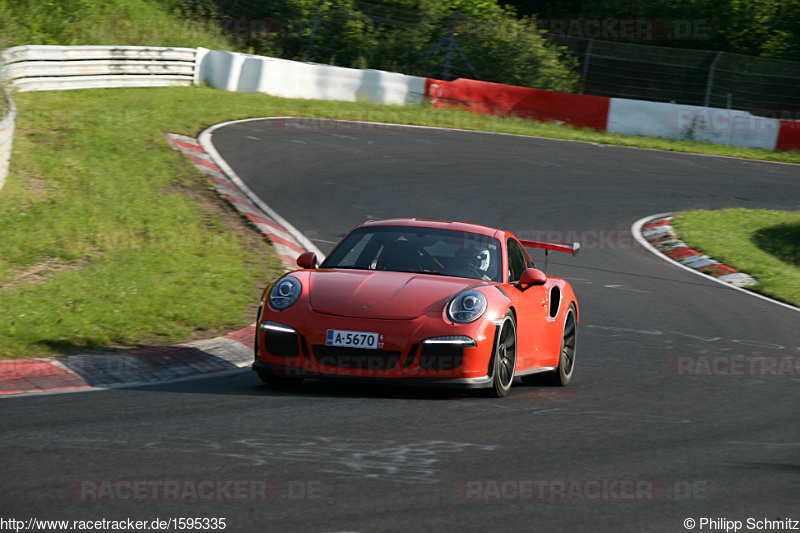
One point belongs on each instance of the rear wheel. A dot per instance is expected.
(562, 375)
(504, 358)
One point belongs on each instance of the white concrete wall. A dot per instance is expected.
(695, 123)
(292, 79)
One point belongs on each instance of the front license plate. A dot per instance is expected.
(352, 339)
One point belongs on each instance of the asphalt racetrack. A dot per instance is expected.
(636, 442)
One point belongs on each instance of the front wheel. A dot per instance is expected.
(504, 358)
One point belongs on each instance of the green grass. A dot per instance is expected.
(106, 22)
(764, 244)
(102, 240)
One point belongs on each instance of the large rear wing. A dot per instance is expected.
(570, 248)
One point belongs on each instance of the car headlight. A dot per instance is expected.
(468, 306)
(285, 292)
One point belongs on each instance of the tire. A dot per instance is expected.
(562, 375)
(279, 382)
(255, 340)
(504, 358)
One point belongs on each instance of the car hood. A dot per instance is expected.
(382, 294)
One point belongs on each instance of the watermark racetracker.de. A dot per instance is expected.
(728, 366)
(612, 29)
(191, 490)
(578, 490)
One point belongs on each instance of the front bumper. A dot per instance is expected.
(460, 383)
(424, 350)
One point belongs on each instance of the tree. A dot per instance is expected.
(767, 28)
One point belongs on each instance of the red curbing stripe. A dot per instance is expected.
(261, 220)
(278, 240)
(718, 269)
(188, 146)
(200, 161)
(681, 253)
(663, 222)
(216, 180)
(239, 201)
(245, 335)
(31, 375)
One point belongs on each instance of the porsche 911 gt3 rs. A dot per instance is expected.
(420, 301)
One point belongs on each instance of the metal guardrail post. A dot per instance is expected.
(585, 72)
(710, 80)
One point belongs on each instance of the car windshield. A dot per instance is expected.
(425, 250)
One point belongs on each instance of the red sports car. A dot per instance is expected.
(420, 301)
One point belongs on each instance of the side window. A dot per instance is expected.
(517, 260)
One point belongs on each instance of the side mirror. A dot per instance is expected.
(532, 276)
(307, 260)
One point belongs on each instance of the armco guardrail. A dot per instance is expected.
(47, 68)
(40, 68)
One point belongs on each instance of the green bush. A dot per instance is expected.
(106, 22)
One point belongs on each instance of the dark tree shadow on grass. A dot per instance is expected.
(782, 241)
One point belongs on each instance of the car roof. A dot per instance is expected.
(436, 224)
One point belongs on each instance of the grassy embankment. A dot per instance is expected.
(109, 237)
(765, 244)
